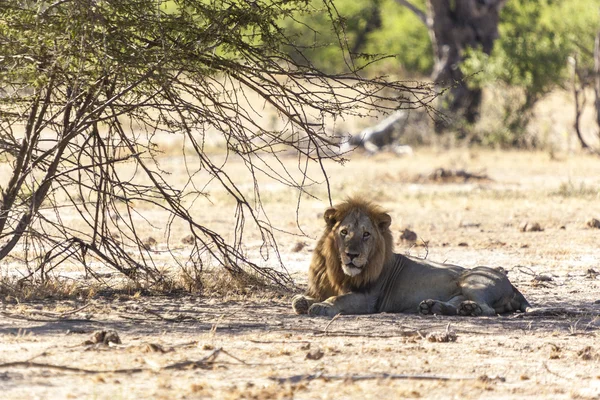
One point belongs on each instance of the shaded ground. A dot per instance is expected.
(267, 353)
(186, 347)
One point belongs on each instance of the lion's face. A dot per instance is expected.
(358, 238)
(354, 237)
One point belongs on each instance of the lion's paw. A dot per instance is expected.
(469, 308)
(300, 304)
(426, 307)
(322, 310)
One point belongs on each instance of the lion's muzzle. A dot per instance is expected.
(351, 269)
(353, 259)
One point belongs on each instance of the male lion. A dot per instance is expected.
(355, 271)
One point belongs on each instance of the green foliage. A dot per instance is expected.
(529, 53)
(87, 85)
(529, 59)
(578, 21)
(398, 33)
(314, 37)
(403, 35)
(134, 34)
(537, 37)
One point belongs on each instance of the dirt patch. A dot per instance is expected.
(256, 347)
(448, 175)
(259, 349)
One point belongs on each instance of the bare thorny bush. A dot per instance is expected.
(85, 86)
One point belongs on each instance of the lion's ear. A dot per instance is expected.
(329, 216)
(384, 221)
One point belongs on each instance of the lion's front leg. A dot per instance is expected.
(301, 303)
(350, 303)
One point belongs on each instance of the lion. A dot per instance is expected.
(354, 270)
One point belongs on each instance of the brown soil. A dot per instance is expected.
(198, 347)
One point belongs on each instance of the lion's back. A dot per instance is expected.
(408, 280)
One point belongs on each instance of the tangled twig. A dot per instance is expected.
(204, 363)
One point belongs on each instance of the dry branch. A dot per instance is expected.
(356, 378)
(556, 312)
(101, 80)
(59, 316)
(319, 332)
(204, 363)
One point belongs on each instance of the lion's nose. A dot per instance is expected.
(352, 256)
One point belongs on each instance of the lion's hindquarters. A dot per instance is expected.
(492, 290)
(415, 285)
(515, 302)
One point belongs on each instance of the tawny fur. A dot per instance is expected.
(326, 277)
(354, 271)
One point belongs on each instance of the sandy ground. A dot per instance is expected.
(255, 347)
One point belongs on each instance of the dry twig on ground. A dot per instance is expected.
(204, 363)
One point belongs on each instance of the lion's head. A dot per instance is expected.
(354, 247)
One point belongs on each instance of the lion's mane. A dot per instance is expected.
(326, 276)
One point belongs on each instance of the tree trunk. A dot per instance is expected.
(453, 27)
(457, 25)
(579, 84)
(597, 77)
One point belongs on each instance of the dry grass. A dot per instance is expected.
(524, 187)
(218, 283)
(465, 222)
(570, 189)
(17, 290)
(214, 283)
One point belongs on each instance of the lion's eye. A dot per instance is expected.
(366, 235)
(344, 232)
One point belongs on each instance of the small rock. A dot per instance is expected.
(315, 354)
(592, 273)
(298, 247)
(543, 278)
(149, 243)
(490, 379)
(104, 337)
(408, 236)
(587, 353)
(463, 244)
(152, 348)
(594, 223)
(441, 337)
(305, 346)
(531, 227)
(189, 239)
(402, 150)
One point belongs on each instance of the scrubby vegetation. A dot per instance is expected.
(538, 43)
(87, 87)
